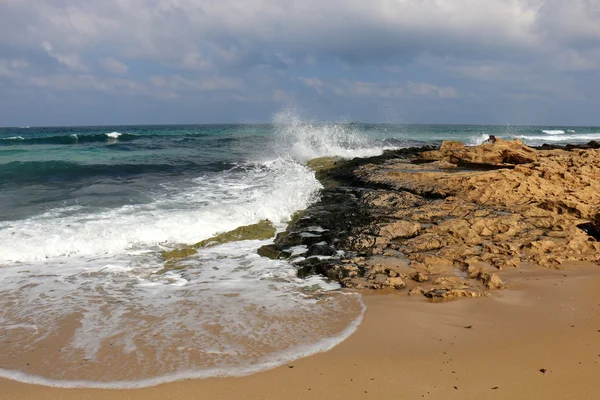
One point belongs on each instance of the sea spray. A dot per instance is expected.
(305, 140)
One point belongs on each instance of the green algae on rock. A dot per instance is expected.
(260, 231)
(322, 163)
(321, 166)
(178, 253)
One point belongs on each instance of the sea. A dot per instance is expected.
(86, 212)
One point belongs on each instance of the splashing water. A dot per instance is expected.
(304, 140)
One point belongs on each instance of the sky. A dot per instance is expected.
(110, 62)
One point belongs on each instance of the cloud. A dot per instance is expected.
(114, 66)
(12, 68)
(314, 83)
(430, 90)
(234, 29)
(381, 90)
(180, 84)
(71, 61)
(340, 51)
(66, 82)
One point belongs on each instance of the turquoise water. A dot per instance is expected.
(85, 213)
(44, 168)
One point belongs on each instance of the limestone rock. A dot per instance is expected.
(399, 229)
(449, 294)
(491, 281)
(417, 290)
(396, 283)
(419, 277)
(497, 153)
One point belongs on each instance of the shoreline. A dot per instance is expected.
(408, 348)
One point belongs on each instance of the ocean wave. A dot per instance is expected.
(64, 171)
(478, 139)
(68, 139)
(561, 138)
(304, 140)
(553, 132)
(114, 135)
(211, 204)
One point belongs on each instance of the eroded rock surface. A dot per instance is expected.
(442, 222)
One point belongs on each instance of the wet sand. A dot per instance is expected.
(538, 340)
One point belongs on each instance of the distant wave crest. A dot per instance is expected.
(561, 138)
(69, 139)
(553, 132)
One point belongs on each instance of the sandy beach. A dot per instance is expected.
(538, 340)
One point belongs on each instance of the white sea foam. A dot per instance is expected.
(560, 138)
(273, 190)
(232, 311)
(307, 140)
(114, 135)
(270, 362)
(553, 132)
(478, 139)
(14, 138)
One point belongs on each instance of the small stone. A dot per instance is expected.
(490, 280)
(396, 283)
(416, 291)
(419, 277)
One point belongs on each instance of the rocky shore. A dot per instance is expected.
(444, 222)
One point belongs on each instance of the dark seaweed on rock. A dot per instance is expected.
(343, 218)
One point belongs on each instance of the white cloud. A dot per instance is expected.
(315, 83)
(178, 83)
(194, 60)
(345, 88)
(18, 64)
(67, 82)
(430, 90)
(200, 35)
(173, 29)
(114, 66)
(11, 68)
(71, 61)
